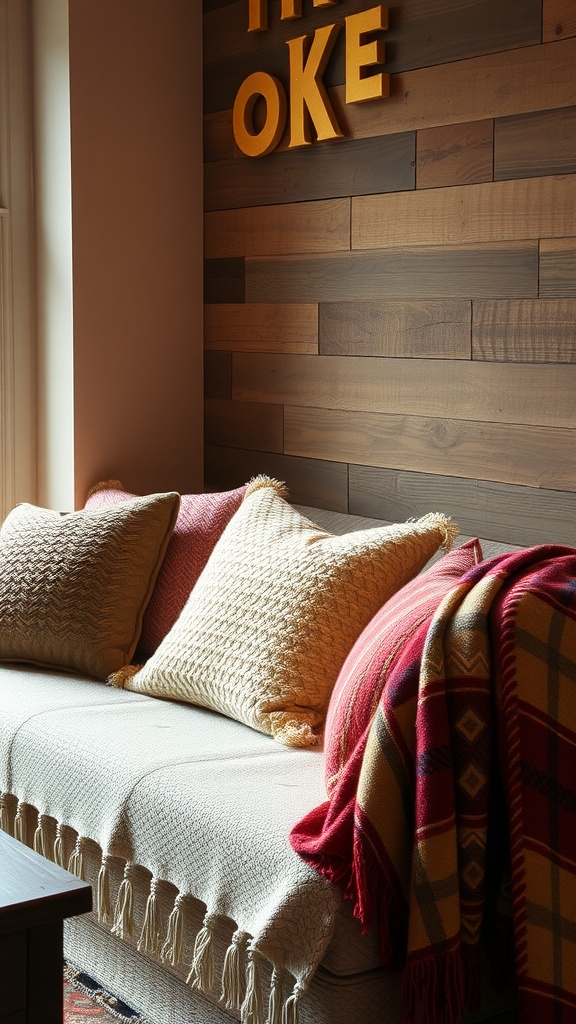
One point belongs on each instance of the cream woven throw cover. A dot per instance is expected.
(199, 800)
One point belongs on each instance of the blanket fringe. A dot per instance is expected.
(76, 862)
(149, 938)
(234, 973)
(124, 916)
(290, 1009)
(433, 991)
(275, 999)
(58, 856)
(202, 972)
(103, 903)
(172, 948)
(39, 842)
(5, 823)
(252, 1009)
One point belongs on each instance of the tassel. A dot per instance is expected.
(233, 972)
(290, 1009)
(20, 829)
(76, 862)
(148, 942)
(103, 892)
(172, 948)
(39, 842)
(5, 823)
(59, 847)
(123, 919)
(202, 970)
(252, 1010)
(275, 1000)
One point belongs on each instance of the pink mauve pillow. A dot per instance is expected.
(201, 520)
(364, 673)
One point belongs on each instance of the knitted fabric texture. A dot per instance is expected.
(74, 585)
(270, 621)
(200, 522)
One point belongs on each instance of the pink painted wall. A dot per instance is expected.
(136, 153)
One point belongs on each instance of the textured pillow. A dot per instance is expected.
(278, 606)
(200, 522)
(364, 674)
(74, 585)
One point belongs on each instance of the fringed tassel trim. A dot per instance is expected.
(252, 1009)
(20, 824)
(202, 971)
(123, 925)
(58, 857)
(290, 1009)
(103, 901)
(40, 843)
(275, 999)
(172, 948)
(76, 862)
(433, 990)
(5, 816)
(149, 941)
(234, 972)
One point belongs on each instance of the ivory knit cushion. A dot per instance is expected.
(74, 585)
(200, 522)
(364, 674)
(265, 631)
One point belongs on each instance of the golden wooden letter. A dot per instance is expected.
(272, 91)
(291, 9)
(324, 3)
(360, 55)
(257, 15)
(308, 96)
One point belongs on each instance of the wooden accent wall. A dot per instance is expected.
(390, 320)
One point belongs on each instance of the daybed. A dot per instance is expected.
(180, 814)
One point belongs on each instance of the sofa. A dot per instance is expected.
(172, 759)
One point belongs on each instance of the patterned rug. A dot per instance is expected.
(86, 1002)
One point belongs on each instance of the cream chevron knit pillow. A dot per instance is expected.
(277, 608)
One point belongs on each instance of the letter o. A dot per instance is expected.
(271, 89)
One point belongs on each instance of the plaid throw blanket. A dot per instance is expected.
(481, 704)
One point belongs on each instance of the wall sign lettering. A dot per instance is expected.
(306, 104)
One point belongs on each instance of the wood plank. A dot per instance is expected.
(540, 143)
(224, 280)
(509, 453)
(497, 85)
(325, 171)
(455, 154)
(310, 481)
(558, 268)
(217, 375)
(499, 270)
(524, 330)
(482, 508)
(259, 327)
(322, 226)
(496, 211)
(558, 19)
(243, 424)
(434, 329)
(446, 389)
(218, 136)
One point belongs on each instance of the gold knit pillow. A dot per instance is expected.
(277, 608)
(74, 585)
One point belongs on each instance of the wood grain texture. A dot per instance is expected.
(324, 171)
(455, 154)
(483, 508)
(285, 228)
(499, 270)
(489, 451)
(218, 136)
(258, 327)
(217, 375)
(224, 280)
(500, 84)
(243, 425)
(558, 19)
(558, 268)
(540, 143)
(529, 330)
(530, 208)
(310, 481)
(435, 330)
(445, 389)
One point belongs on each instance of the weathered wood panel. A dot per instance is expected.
(540, 143)
(499, 270)
(455, 154)
(310, 481)
(217, 375)
(488, 451)
(439, 330)
(448, 389)
(285, 228)
(529, 330)
(499, 85)
(224, 280)
(360, 167)
(526, 208)
(483, 508)
(243, 425)
(558, 19)
(257, 327)
(558, 268)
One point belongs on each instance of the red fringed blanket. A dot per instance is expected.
(482, 702)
